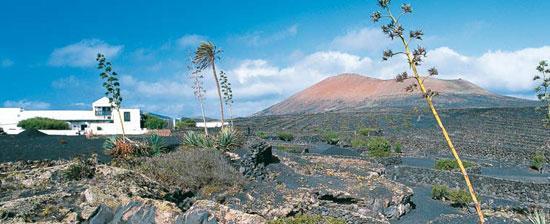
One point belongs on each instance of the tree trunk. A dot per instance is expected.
(219, 89)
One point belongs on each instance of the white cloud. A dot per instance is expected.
(506, 72)
(26, 104)
(6, 63)
(63, 83)
(174, 87)
(366, 38)
(259, 38)
(83, 53)
(190, 40)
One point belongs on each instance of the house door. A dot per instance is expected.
(83, 127)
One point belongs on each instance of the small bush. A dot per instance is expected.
(192, 169)
(153, 122)
(185, 123)
(41, 123)
(537, 162)
(308, 219)
(262, 135)
(285, 136)
(80, 168)
(379, 147)
(397, 147)
(458, 197)
(450, 164)
(440, 192)
(330, 137)
(358, 143)
(366, 131)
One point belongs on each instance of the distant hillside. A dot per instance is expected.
(352, 92)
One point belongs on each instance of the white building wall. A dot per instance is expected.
(98, 125)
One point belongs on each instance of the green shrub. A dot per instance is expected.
(537, 162)
(285, 136)
(192, 169)
(366, 131)
(153, 122)
(330, 137)
(450, 164)
(308, 219)
(185, 123)
(458, 197)
(228, 139)
(41, 123)
(397, 147)
(440, 192)
(262, 135)
(81, 169)
(358, 143)
(378, 147)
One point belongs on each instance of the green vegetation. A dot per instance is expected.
(538, 161)
(537, 217)
(458, 197)
(358, 143)
(308, 219)
(185, 123)
(450, 164)
(366, 131)
(227, 139)
(330, 137)
(379, 147)
(397, 147)
(157, 145)
(111, 85)
(81, 169)
(285, 136)
(205, 57)
(262, 135)
(192, 168)
(40, 123)
(153, 122)
(543, 90)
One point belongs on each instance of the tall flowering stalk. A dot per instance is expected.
(199, 92)
(543, 90)
(227, 94)
(395, 30)
(111, 85)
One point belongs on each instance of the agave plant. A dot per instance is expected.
(156, 144)
(195, 139)
(537, 217)
(228, 139)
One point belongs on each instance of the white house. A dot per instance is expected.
(100, 120)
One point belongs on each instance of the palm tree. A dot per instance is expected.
(205, 56)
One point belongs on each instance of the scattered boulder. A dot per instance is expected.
(209, 212)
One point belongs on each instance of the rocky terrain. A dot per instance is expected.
(353, 92)
(277, 185)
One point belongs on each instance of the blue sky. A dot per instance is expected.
(272, 49)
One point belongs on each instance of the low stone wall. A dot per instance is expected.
(528, 192)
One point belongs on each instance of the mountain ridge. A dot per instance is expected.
(354, 92)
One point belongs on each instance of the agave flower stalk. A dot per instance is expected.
(199, 94)
(543, 89)
(394, 30)
(111, 85)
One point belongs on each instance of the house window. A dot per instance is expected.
(126, 116)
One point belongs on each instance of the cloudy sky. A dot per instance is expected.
(272, 49)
